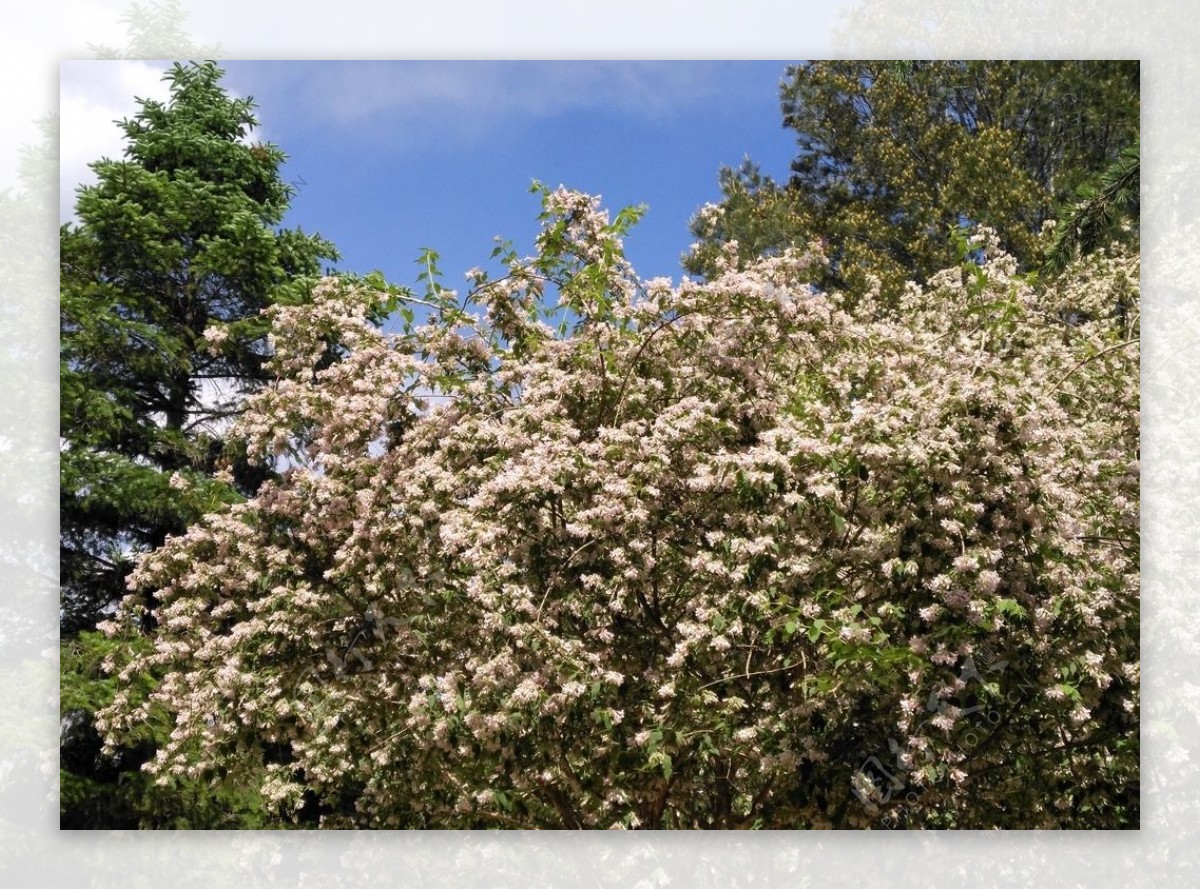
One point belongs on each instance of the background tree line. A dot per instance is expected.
(892, 156)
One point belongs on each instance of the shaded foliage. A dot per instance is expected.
(891, 155)
(1101, 210)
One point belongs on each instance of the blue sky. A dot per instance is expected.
(392, 157)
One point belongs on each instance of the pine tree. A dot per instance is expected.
(1100, 209)
(890, 155)
(181, 236)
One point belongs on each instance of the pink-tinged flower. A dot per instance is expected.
(966, 563)
(527, 691)
(942, 721)
(987, 582)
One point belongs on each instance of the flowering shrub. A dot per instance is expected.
(580, 550)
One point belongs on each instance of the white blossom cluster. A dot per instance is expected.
(682, 564)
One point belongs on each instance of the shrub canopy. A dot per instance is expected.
(575, 549)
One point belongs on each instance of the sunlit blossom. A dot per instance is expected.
(709, 534)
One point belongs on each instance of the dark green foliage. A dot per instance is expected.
(1101, 207)
(890, 155)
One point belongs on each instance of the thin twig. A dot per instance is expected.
(786, 667)
(1063, 380)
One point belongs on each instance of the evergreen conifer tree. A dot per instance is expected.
(180, 236)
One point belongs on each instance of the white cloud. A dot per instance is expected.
(94, 96)
(533, 88)
(467, 98)
(398, 101)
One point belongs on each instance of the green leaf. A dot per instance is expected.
(1010, 607)
(839, 524)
